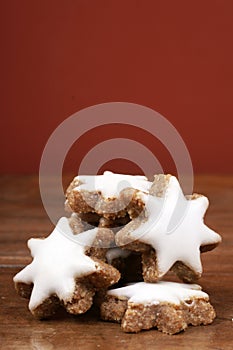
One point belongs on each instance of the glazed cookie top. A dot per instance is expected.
(57, 262)
(110, 184)
(174, 227)
(160, 292)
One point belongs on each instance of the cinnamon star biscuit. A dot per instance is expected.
(170, 232)
(61, 274)
(169, 306)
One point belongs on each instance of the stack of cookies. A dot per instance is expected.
(123, 235)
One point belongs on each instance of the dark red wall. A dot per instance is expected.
(58, 57)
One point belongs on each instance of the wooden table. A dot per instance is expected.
(23, 216)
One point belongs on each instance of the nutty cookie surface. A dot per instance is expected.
(168, 306)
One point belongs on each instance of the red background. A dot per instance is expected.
(58, 57)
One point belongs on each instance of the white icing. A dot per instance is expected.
(175, 228)
(155, 293)
(115, 253)
(57, 261)
(110, 184)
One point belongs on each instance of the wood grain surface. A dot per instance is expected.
(23, 216)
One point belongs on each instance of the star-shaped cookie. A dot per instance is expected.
(171, 233)
(62, 273)
(169, 306)
(109, 195)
